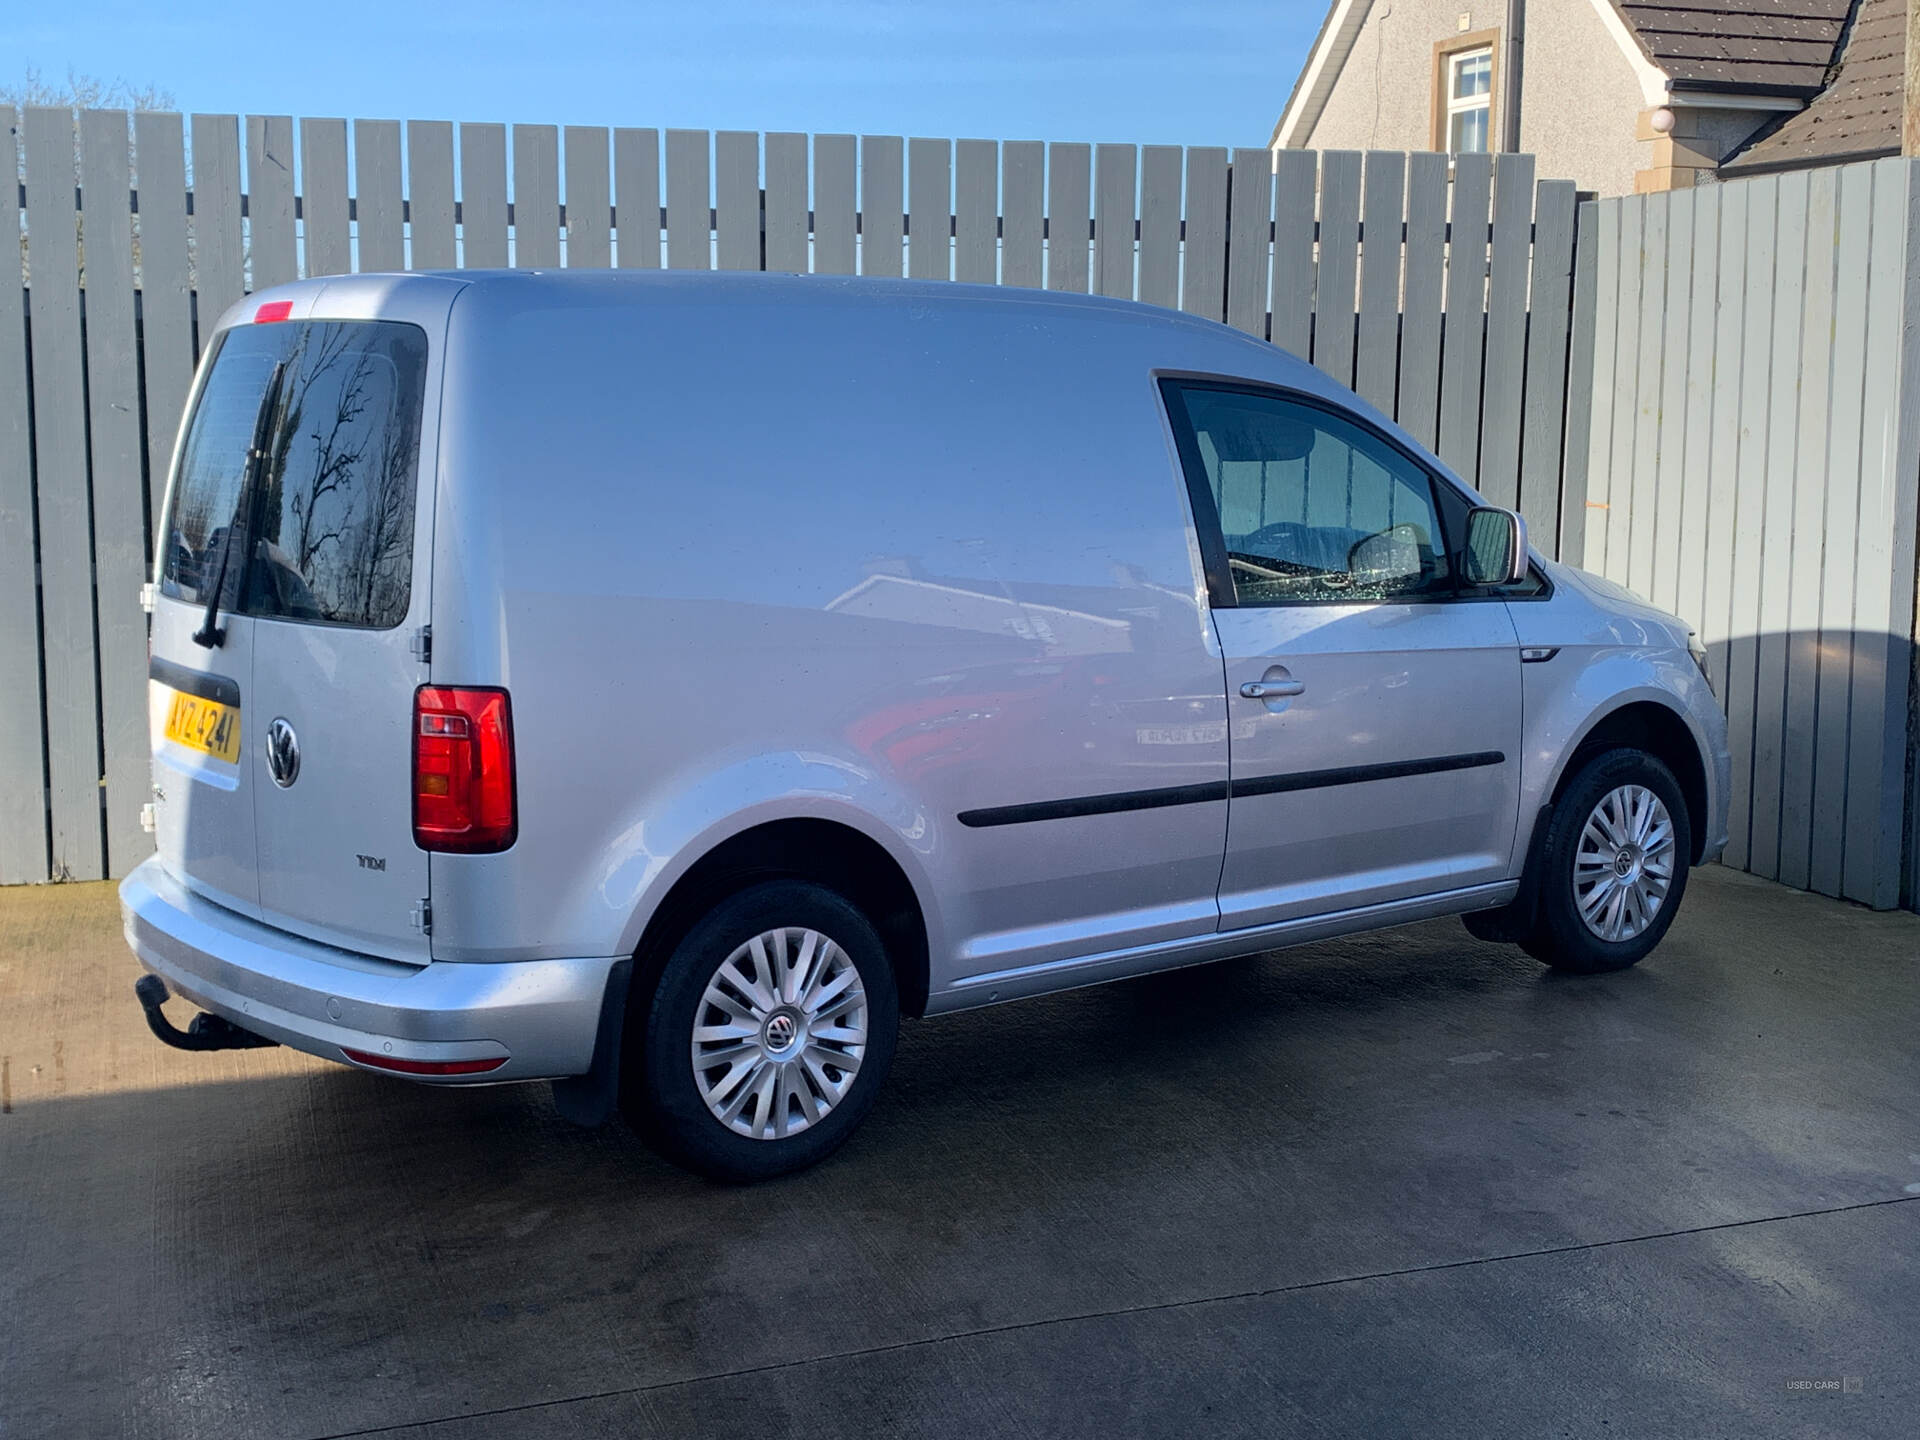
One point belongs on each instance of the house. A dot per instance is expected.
(1619, 95)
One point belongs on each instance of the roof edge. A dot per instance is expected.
(1799, 93)
(1319, 54)
(1655, 83)
(1736, 170)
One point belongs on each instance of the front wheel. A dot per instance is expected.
(767, 1036)
(1613, 867)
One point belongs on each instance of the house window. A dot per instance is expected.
(1469, 99)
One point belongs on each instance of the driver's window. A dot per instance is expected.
(1312, 507)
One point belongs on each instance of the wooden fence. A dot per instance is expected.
(1749, 436)
(1444, 299)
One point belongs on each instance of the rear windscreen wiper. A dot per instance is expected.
(209, 634)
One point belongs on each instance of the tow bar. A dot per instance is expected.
(203, 1032)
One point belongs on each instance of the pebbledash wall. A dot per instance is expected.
(1746, 427)
(1446, 300)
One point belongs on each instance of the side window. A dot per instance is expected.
(1312, 508)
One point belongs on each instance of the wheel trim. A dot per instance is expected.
(1623, 866)
(779, 1033)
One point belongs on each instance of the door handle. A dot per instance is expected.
(1272, 689)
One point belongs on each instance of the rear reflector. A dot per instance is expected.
(273, 310)
(463, 798)
(426, 1067)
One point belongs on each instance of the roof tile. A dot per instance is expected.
(1856, 117)
(1784, 46)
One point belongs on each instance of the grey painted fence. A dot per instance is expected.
(1752, 459)
(1446, 302)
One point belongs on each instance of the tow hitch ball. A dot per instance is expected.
(204, 1032)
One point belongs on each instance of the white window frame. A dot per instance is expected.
(1455, 105)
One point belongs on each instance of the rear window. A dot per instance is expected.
(325, 531)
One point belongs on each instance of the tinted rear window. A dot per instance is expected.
(326, 532)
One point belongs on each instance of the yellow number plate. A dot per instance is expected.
(205, 725)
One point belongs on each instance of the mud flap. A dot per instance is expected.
(1513, 922)
(591, 1099)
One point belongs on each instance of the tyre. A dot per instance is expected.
(767, 1036)
(1613, 867)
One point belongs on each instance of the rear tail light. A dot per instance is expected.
(463, 798)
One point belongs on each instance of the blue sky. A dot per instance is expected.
(1172, 71)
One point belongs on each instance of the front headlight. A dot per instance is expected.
(1699, 654)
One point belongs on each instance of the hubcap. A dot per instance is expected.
(779, 1033)
(1623, 866)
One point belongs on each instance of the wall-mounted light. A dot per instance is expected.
(1661, 120)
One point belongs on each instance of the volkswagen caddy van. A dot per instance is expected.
(660, 684)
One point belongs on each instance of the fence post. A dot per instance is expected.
(1376, 357)
(377, 195)
(62, 501)
(536, 197)
(1582, 349)
(976, 211)
(1160, 175)
(119, 499)
(1069, 215)
(323, 198)
(1548, 398)
(929, 208)
(1249, 222)
(737, 200)
(1203, 280)
(589, 202)
(786, 223)
(429, 201)
(882, 204)
(636, 198)
(270, 226)
(23, 781)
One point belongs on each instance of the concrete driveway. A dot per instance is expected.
(1405, 1184)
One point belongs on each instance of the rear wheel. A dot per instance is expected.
(1613, 867)
(768, 1035)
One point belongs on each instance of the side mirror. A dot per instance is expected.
(1496, 551)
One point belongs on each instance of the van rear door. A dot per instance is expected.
(340, 607)
(200, 710)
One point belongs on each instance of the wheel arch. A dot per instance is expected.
(1662, 731)
(826, 852)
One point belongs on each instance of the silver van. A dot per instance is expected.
(659, 684)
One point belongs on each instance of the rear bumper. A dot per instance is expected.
(542, 1015)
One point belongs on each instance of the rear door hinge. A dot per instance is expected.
(422, 917)
(422, 645)
(149, 594)
(149, 820)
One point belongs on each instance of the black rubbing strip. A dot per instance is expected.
(1094, 805)
(217, 688)
(1361, 774)
(1125, 800)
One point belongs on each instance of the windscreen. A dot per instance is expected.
(324, 533)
